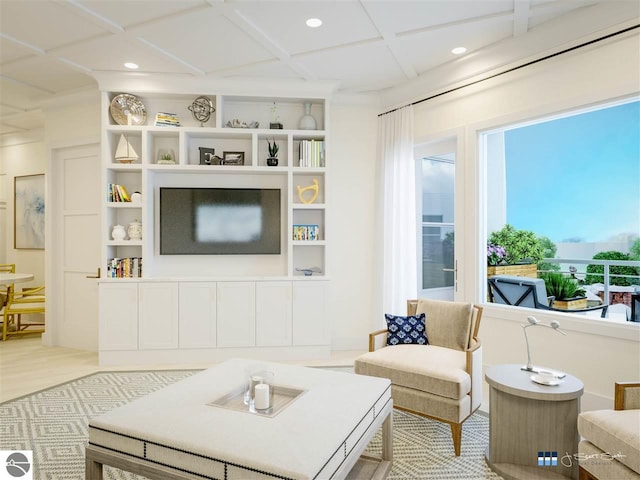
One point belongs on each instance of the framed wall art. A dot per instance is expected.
(28, 212)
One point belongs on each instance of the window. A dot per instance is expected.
(574, 181)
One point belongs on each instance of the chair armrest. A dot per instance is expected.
(30, 295)
(372, 338)
(620, 400)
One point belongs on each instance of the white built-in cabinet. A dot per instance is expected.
(236, 314)
(309, 313)
(197, 314)
(274, 314)
(118, 316)
(193, 307)
(157, 315)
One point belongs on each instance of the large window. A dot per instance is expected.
(574, 181)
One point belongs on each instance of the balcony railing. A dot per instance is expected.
(607, 264)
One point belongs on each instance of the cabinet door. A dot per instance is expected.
(158, 316)
(273, 314)
(118, 316)
(236, 314)
(309, 313)
(197, 317)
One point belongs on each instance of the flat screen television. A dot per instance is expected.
(219, 221)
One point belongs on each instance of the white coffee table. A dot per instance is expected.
(174, 434)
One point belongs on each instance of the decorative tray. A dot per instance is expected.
(282, 398)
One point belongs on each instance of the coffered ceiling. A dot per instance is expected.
(49, 48)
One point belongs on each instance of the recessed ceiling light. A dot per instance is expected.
(131, 65)
(458, 50)
(313, 22)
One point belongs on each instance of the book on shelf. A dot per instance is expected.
(165, 119)
(306, 232)
(117, 193)
(311, 153)
(130, 267)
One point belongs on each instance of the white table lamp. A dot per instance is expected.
(555, 325)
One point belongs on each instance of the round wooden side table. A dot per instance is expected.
(528, 419)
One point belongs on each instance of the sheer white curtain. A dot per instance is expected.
(397, 273)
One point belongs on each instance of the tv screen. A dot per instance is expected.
(219, 221)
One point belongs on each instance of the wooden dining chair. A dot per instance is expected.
(28, 301)
(5, 268)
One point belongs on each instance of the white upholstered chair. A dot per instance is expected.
(441, 380)
(610, 439)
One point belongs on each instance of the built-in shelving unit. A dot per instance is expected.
(146, 175)
(207, 307)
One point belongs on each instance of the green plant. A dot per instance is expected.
(273, 148)
(561, 287)
(166, 156)
(521, 245)
(549, 250)
(634, 251)
(595, 273)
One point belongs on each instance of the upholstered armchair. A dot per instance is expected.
(610, 439)
(441, 380)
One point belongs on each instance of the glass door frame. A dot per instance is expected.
(448, 142)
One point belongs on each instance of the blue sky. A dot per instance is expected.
(576, 177)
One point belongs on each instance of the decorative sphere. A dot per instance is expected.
(202, 108)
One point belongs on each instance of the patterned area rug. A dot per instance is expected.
(53, 423)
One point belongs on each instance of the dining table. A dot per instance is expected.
(7, 278)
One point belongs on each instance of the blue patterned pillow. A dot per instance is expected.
(406, 330)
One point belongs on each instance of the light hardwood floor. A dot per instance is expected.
(27, 366)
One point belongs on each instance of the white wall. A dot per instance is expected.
(351, 223)
(597, 352)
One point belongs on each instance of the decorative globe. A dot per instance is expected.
(202, 108)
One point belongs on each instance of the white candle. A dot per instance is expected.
(261, 401)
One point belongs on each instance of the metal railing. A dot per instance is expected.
(605, 263)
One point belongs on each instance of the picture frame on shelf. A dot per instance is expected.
(233, 158)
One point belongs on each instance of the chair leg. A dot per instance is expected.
(456, 433)
(5, 325)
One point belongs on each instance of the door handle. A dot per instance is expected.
(95, 276)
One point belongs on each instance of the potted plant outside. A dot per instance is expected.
(272, 159)
(568, 293)
(522, 252)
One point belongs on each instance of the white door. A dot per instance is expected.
(437, 209)
(72, 315)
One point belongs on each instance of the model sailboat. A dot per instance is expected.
(125, 152)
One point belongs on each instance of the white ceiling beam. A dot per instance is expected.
(486, 21)
(259, 35)
(175, 58)
(389, 38)
(33, 48)
(25, 84)
(94, 17)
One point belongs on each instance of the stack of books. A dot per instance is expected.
(124, 267)
(312, 153)
(164, 119)
(306, 232)
(117, 193)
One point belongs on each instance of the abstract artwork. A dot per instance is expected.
(28, 212)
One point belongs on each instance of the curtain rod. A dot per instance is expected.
(518, 67)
